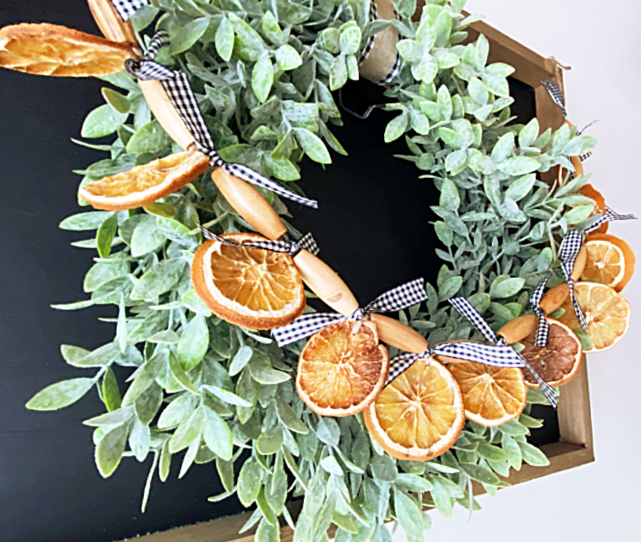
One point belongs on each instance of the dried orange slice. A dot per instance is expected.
(249, 287)
(556, 363)
(491, 395)
(145, 184)
(49, 49)
(420, 414)
(590, 192)
(342, 369)
(607, 314)
(610, 261)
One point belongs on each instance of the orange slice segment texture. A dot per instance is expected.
(607, 314)
(610, 261)
(249, 287)
(145, 184)
(492, 395)
(342, 369)
(48, 49)
(420, 414)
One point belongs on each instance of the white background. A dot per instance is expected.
(600, 501)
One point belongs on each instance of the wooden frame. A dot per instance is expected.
(575, 446)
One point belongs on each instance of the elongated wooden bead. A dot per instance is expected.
(399, 335)
(579, 264)
(249, 204)
(325, 283)
(110, 23)
(165, 112)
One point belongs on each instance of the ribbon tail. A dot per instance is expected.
(543, 331)
(399, 298)
(255, 178)
(399, 364)
(465, 309)
(308, 243)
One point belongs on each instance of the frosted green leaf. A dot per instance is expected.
(85, 221)
(409, 514)
(186, 36)
(521, 187)
(249, 480)
(193, 343)
(519, 165)
(262, 78)
(217, 435)
(60, 394)
(188, 431)
(288, 58)
(177, 411)
(288, 416)
(504, 286)
(224, 39)
(151, 138)
(106, 234)
(110, 449)
(159, 279)
(329, 464)
(227, 396)
(450, 198)
(116, 100)
(350, 40)
(396, 127)
(533, 456)
(313, 146)
(338, 73)
(102, 121)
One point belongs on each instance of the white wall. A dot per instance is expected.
(601, 501)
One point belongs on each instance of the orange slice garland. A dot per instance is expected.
(610, 261)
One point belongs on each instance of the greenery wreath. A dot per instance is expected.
(264, 73)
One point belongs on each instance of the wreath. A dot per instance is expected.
(246, 87)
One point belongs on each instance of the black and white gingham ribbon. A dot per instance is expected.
(498, 354)
(556, 95)
(570, 248)
(584, 157)
(373, 15)
(126, 8)
(543, 331)
(182, 97)
(306, 242)
(396, 68)
(393, 300)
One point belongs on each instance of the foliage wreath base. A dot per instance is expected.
(263, 73)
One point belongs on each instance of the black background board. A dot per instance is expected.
(373, 226)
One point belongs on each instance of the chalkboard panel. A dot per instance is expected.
(373, 227)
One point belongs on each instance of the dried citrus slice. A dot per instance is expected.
(145, 184)
(610, 261)
(607, 314)
(420, 414)
(342, 368)
(49, 49)
(590, 192)
(491, 395)
(249, 287)
(556, 363)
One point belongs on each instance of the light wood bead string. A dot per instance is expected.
(110, 23)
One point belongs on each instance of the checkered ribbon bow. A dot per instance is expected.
(126, 8)
(393, 300)
(181, 96)
(306, 242)
(570, 248)
(498, 354)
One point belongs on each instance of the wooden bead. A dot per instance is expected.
(165, 112)
(554, 298)
(110, 23)
(579, 264)
(399, 335)
(325, 283)
(519, 328)
(249, 204)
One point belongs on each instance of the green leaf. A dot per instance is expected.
(329, 464)
(444, 233)
(116, 100)
(217, 435)
(521, 187)
(338, 73)
(187, 35)
(384, 468)
(450, 198)
(529, 133)
(397, 127)
(248, 44)
(110, 391)
(413, 483)
(225, 39)
(188, 431)
(160, 278)
(180, 375)
(350, 40)
(492, 453)
(409, 515)
(193, 343)
(578, 214)
(270, 441)
(262, 78)
(503, 148)
(519, 165)
(102, 121)
(145, 377)
(177, 411)
(450, 288)
(151, 138)
(442, 499)
(106, 234)
(110, 449)
(504, 286)
(240, 359)
(249, 479)
(148, 404)
(288, 58)
(79, 357)
(147, 237)
(480, 474)
(60, 394)
(328, 431)
(84, 221)
(227, 396)
(313, 146)
(533, 456)
(288, 416)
